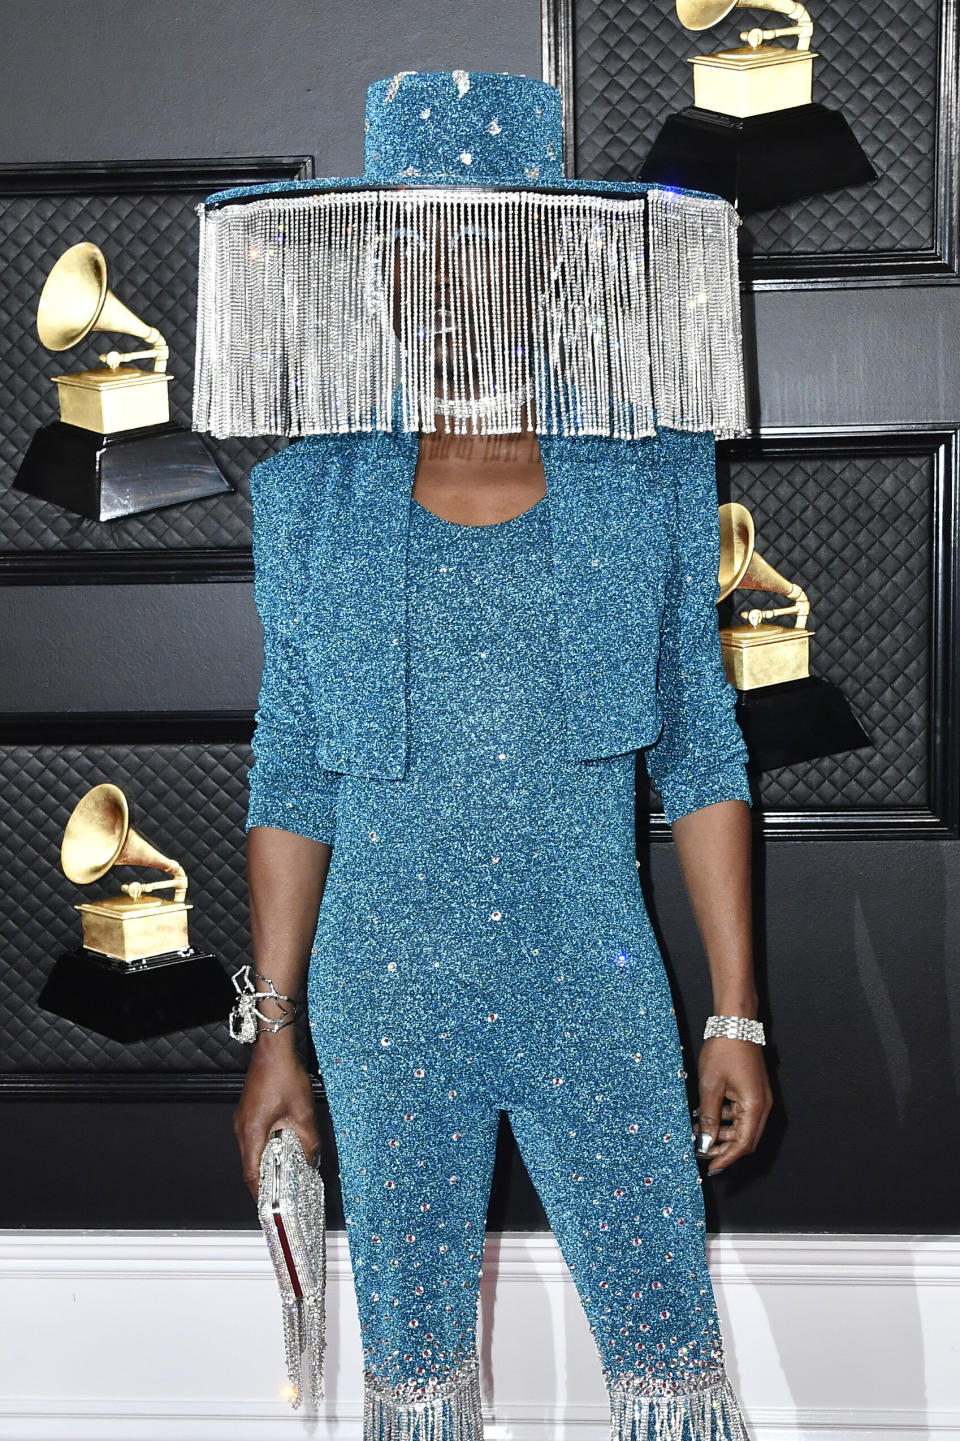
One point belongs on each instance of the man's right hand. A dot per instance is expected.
(276, 1092)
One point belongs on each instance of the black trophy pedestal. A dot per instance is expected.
(126, 473)
(797, 720)
(133, 1001)
(758, 161)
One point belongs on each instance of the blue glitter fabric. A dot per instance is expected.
(483, 945)
(636, 546)
(483, 942)
(438, 126)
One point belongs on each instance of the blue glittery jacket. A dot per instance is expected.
(635, 537)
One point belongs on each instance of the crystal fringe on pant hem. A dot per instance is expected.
(709, 1411)
(448, 1409)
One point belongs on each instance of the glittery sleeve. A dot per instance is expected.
(288, 789)
(700, 754)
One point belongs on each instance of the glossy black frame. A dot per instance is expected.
(136, 177)
(939, 819)
(937, 265)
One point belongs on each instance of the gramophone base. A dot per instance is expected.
(763, 655)
(758, 161)
(128, 472)
(134, 1002)
(126, 931)
(797, 720)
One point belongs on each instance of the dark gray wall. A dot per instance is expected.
(113, 80)
(858, 942)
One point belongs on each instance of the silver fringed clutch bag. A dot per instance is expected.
(292, 1213)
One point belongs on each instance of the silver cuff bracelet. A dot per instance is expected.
(736, 1028)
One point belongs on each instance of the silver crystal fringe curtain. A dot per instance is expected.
(594, 311)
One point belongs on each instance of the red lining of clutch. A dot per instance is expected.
(288, 1255)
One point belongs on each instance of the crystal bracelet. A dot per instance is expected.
(245, 1014)
(736, 1028)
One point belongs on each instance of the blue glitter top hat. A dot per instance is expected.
(453, 128)
(582, 307)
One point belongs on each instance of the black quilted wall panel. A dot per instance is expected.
(877, 63)
(857, 533)
(150, 244)
(187, 800)
(861, 531)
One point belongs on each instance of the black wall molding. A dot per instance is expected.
(757, 471)
(148, 177)
(131, 567)
(142, 213)
(663, 45)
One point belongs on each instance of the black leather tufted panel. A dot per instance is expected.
(150, 243)
(187, 800)
(876, 62)
(857, 532)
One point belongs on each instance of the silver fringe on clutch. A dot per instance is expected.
(447, 1409)
(304, 1342)
(601, 311)
(708, 1411)
(291, 1205)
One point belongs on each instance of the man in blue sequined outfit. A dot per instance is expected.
(442, 812)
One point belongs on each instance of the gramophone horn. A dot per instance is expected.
(76, 300)
(98, 835)
(736, 545)
(701, 14)
(760, 575)
(742, 566)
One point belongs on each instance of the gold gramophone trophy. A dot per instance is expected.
(114, 450)
(760, 652)
(785, 713)
(754, 134)
(136, 974)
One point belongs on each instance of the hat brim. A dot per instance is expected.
(602, 189)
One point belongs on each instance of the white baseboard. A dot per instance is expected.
(175, 1336)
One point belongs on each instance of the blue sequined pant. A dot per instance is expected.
(483, 945)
